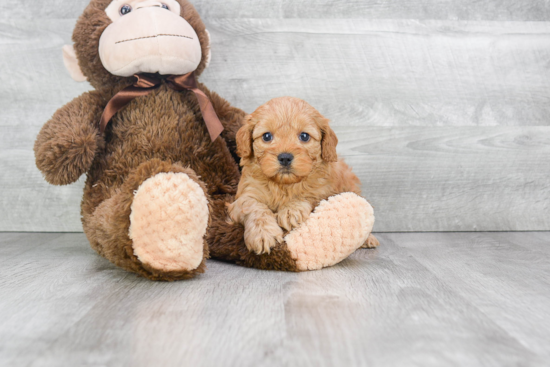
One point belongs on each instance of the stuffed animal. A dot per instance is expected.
(159, 151)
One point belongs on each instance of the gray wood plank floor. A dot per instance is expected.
(421, 299)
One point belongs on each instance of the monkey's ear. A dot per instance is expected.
(71, 63)
(244, 138)
(329, 140)
(209, 57)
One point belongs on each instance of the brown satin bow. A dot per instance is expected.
(145, 84)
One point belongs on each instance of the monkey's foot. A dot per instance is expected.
(168, 222)
(337, 227)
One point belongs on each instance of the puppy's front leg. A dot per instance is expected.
(293, 214)
(261, 231)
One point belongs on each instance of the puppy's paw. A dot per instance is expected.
(292, 216)
(261, 235)
(371, 242)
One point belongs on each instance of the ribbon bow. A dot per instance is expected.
(145, 84)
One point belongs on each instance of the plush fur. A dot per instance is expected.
(154, 137)
(159, 202)
(272, 197)
(162, 132)
(354, 216)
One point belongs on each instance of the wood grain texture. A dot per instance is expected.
(536, 240)
(34, 82)
(388, 72)
(417, 178)
(532, 10)
(467, 299)
(452, 178)
(504, 270)
(444, 120)
(379, 73)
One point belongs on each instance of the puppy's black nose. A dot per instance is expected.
(285, 159)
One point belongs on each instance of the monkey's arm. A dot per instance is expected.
(231, 118)
(66, 146)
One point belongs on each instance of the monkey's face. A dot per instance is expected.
(148, 36)
(115, 39)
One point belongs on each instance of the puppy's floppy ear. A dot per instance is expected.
(244, 138)
(328, 140)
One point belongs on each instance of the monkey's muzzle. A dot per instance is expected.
(151, 40)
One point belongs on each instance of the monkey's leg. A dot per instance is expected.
(226, 243)
(336, 228)
(155, 224)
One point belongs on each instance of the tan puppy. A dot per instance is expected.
(289, 160)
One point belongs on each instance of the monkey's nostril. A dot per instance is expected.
(285, 159)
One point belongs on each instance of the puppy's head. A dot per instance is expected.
(287, 138)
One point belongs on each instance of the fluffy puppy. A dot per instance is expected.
(289, 160)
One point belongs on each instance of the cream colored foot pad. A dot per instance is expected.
(168, 222)
(337, 227)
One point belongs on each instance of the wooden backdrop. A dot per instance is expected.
(441, 106)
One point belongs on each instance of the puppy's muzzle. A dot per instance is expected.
(285, 159)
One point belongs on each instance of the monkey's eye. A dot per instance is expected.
(164, 6)
(267, 137)
(125, 9)
(304, 137)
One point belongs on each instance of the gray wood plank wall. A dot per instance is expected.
(441, 106)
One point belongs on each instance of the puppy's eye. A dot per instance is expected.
(164, 6)
(304, 137)
(125, 9)
(267, 137)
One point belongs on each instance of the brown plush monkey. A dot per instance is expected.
(157, 184)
